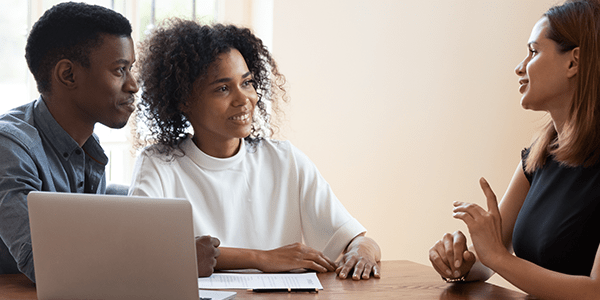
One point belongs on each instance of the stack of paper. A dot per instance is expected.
(258, 281)
(216, 295)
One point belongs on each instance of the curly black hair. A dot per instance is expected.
(180, 52)
(69, 30)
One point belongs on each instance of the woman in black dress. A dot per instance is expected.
(550, 214)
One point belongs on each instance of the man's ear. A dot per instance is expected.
(63, 73)
(573, 63)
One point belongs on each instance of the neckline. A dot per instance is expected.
(210, 162)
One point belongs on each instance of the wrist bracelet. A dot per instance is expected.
(453, 280)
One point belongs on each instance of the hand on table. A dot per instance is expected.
(294, 256)
(362, 255)
(207, 252)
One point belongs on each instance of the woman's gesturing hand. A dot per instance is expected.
(484, 226)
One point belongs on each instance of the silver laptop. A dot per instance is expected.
(88, 246)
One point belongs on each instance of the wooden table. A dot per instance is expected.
(401, 279)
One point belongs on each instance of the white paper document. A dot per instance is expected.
(216, 295)
(256, 281)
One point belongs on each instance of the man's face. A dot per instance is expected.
(106, 89)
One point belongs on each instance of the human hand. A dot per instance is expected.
(450, 256)
(485, 227)
(207, 252)
(294, 256)
(362, 256)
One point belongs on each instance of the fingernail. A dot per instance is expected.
(457, 264)
(448, 272)
(456, 274)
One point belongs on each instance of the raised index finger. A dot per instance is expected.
(492, 203)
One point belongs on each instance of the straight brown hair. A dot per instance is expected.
(576, 23)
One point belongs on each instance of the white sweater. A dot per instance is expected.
(263, 197)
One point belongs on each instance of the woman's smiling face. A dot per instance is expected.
(222, 104)
(546, 81)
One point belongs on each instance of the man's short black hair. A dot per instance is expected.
(70, 31)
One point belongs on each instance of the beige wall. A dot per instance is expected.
(403, 105)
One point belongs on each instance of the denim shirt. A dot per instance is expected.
(37, 154)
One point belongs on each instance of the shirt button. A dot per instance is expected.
(78, 152)
(66, 154)
(80, 184)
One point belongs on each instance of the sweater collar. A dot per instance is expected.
(206, 161)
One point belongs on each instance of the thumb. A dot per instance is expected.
(469, 257)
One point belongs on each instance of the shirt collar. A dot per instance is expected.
(61, 140)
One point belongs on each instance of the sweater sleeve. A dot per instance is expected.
(326, 224)
(147, 179)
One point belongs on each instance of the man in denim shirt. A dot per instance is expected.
(81, 57)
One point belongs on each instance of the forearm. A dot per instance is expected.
(282, 259)
(544, 283)
(238, 258)
(478, 271)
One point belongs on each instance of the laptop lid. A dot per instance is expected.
(89, 246)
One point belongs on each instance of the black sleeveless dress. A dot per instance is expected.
(558, 227)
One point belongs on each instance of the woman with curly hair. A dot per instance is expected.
(264, 199)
